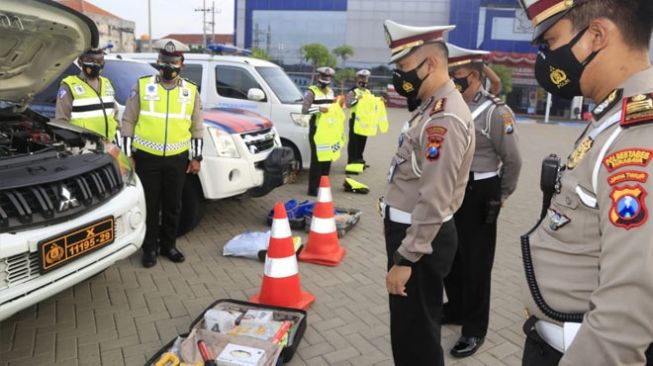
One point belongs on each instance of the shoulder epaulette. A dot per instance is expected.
(438, 106)
(637, 110)
(496, 100)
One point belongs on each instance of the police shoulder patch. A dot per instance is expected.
(438, 106)
(508, 123)
(629, 175)
(628, 157)
(62, 92)
(628, 206)
(637, 110)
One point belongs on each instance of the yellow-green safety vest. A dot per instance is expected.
(164, 122)
(90, 109)
(329, 128)
(382, 115)
(364, 112)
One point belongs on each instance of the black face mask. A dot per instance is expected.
(407, 83)
(168, 72)
(323, 83)
(413, 103)
(461, 83)
(559, 72)
(91, 69)
(362, 84)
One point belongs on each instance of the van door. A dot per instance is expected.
(233, 84)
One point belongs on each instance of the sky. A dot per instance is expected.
(171, 16)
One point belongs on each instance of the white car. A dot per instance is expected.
(251, 84)
(70, 203)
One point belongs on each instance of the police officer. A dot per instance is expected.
(316, 101)
(87, 100)
(356, 144)
(162, 122)
(468, 283)
(589, 261)
(426, 184)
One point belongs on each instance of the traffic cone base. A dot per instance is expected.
(322, 246)
(280, 286)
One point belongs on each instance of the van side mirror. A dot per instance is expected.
(255, 94)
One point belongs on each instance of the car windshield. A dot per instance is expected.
(283, 87)
(124, 75)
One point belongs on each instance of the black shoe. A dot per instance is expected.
(466, 346)
(174, 255)
(149, 259)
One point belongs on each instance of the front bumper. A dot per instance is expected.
(276, 168)
(30, 287)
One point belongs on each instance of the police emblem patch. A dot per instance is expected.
(626, 157)
(408, 87)
(508, 123)
(79, 90)
(630, 175)
(577, 155)
(637, 109)
(432, 152)
(62, 93)
(628, 206)
(170, 47)
(558, 77)
(436, 130)
(151, 88)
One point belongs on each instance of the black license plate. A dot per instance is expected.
(56, 252)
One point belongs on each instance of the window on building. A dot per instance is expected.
(234, 82)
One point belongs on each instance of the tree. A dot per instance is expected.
(344, 75)
(260, 54)
(316, 54)
(505, 74)
(343, 52)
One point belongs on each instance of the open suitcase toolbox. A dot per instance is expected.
(187, 353)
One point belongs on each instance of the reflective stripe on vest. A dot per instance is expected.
(90, 109)
(164, 122)
(382, 115)
(365, 111)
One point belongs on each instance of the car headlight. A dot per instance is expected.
(224, 143)
(277, 138)
(301, 120)
(124, 163)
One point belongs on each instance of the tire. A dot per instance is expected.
(297, 165)
(192, 205)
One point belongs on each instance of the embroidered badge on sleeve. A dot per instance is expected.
(636, 110)
(508, 123)
(627, 157)
(433, 148)
(630, 175)
(62, 92)
(628, 206)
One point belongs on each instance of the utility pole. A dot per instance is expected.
(204, 10)
(213, 22)
(149, 23)
(267, 40)
(211, 10)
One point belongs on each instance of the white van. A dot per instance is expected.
(251, 84)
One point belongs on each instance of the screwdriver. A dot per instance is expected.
(206, 354)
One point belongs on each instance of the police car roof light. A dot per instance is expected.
(228, 49)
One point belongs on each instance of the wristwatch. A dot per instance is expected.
(399, 260)
(198, 158)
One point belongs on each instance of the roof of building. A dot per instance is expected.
(198, 38)
(86, 7)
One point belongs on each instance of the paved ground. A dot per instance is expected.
(125, 314)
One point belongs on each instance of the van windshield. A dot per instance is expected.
(280, 83)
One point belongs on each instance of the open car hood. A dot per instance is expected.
(38, 40)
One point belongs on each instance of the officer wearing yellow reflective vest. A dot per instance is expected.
(162, 122)
(317, 100)
(87, 100)
(361, 124)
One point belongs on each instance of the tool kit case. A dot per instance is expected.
(295, 333)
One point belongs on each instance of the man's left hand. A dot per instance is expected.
(193, 167)
(396, 280)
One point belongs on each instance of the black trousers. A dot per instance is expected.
(163, 181)
(538, 353)
(415, 319)
(318, 168)
(468, 283)
(356, 144)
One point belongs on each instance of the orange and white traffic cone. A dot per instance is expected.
(280, 285)
(322, 246)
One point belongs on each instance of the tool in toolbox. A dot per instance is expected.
(170, 359)
(281, 285)
(209, 360)
(322, 246)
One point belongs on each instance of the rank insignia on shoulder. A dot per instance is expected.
(607, 104)
(557, 220)
(628, 206)
(508, 123)
(578, 154)
(438, 106)
(477, 97)
(497, 100)
(626, 157)
(630, 175)
(637, 110)
(436, 131)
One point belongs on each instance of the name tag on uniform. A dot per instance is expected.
(79, 90)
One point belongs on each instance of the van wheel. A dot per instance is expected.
(296, 165)
(192, 205)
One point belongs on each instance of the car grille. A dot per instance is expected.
(260, 141)
(58, 200)
(21, 268)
